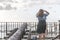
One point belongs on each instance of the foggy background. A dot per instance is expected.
(25, 10)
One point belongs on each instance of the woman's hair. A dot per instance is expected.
(40, 12)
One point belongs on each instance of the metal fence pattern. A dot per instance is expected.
(52, 27)
(5, 27)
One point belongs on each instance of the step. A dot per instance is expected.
(23, 39)
(26, 30)
(6, 37)
(25, 36)
(27, 33)
(33, 31)
(8, 33)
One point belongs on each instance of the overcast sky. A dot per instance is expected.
(26, 10)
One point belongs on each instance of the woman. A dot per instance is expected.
(41, 27)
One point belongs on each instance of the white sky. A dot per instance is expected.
(27, 9)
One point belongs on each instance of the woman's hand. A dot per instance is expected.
(46, 11)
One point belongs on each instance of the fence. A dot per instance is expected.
(5, 27)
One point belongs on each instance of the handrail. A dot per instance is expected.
(13, 25)
(18, 34)
(11, 33)
(56, 37)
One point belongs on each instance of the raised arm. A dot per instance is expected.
(46, 11)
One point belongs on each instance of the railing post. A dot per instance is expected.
(35, 25)
(59, 29)
(6, 28)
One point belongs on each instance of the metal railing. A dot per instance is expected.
(52, 27)
(5, 27)
(18, 35)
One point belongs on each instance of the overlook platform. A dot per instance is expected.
(27, 30)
